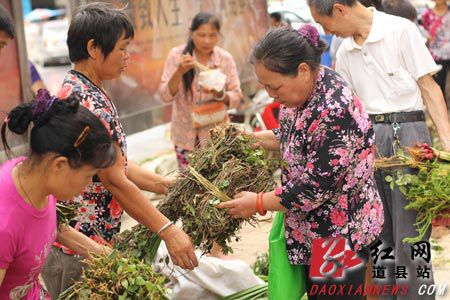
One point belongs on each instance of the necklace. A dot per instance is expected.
(24, 192)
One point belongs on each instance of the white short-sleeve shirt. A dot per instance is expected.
(385, 69)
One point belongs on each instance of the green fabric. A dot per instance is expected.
(286, 281)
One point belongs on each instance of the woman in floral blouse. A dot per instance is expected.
(98, 37)
(327, 151)
(437, 23)
(180, 83)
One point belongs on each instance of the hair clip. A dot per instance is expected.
(310, 33)
(42, 103)
(82, 137)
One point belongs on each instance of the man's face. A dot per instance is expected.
(4, 40)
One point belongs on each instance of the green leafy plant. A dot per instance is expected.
(117, 277)
(261, 265)
(427, 189)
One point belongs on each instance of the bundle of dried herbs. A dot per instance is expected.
(118, 277)
(428, 189)
(228, 165)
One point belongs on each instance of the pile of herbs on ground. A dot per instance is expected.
(117, 277)
(227, 165)
(427, 189)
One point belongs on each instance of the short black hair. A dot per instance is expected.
(6, 22)
(276, 16)
(98, 21)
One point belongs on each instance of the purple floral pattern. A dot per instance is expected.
(327, 152)
(99, 216)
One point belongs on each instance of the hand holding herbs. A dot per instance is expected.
(428, 190)
(228, 165)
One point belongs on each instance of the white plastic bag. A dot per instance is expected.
(212, 79)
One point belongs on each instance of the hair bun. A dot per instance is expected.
(310, 33)
(73, 103)
(19, 118)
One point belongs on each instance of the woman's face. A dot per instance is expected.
(205, 38)
(287, 90)
(115, 64)
(66, 182)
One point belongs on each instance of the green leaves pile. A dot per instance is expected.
(115, 277)
(138, 242)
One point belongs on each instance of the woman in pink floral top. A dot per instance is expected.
(180, 82)
(327, 151)
(437, 23)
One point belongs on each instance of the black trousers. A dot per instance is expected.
(339, 288)
(441, 77)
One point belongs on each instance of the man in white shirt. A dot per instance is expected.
(385, 60)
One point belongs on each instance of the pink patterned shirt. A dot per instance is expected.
(439, 29)
(183, 132)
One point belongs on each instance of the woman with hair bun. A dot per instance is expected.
(327, 151)
(68, 145)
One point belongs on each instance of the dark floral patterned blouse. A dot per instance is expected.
(99, 216)
(327, 152)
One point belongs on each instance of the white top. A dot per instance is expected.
(385, 69)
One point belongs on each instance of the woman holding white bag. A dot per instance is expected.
(202, 81)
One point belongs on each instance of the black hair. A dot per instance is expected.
(6, 22)
(98, 21)
(276, 16)
(199, 19)
(59, 130)
(374, 3)
(282, 50)
(400, 8)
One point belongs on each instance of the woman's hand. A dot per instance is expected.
(186, 63)
(267, 140)
(243, 205)
(180, 247)
(167, 182)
